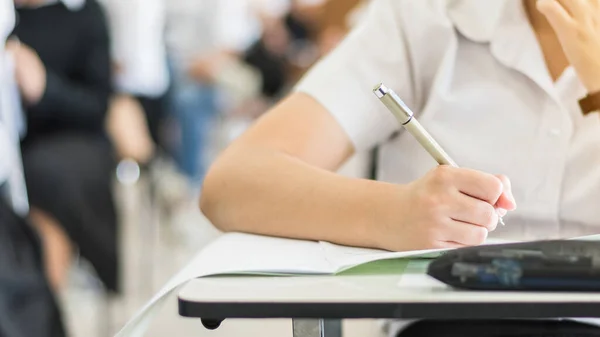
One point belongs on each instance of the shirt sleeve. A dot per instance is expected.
(374, 52)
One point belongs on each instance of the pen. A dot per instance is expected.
(407, 119)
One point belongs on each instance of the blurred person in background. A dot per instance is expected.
(138, 110)
(28, 307)
(139, 120)
(204, 38)
(286, 46)
(62, 66)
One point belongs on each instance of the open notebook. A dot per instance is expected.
(246, 254)
(238, 253)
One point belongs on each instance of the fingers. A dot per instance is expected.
(506, 202)
(577, 9)
(465, 234)
(448, 245)
(473, 183)
(475, 212)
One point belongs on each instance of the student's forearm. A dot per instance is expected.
(268, 192)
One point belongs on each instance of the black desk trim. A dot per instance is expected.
(461, 310)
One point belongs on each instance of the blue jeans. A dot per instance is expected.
(194, 106)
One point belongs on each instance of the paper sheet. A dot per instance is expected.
(342, 257)
(236, 253)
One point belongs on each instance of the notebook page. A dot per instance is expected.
(343, 257)
(236, 253)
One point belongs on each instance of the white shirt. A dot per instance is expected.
(195, 28)
(7, 21)
(12, 125)
(138, 45)
(475, 76)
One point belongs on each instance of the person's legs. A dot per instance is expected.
(57, 247)
(195, 108)
(69, 179)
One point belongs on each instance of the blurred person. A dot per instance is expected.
(269, 56)
(62, 66)
(25, 294)
(505, 86)
(204, 38)
(138, 110)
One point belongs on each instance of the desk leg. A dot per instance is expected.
(317, 328)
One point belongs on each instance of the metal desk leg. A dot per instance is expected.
(317, 328)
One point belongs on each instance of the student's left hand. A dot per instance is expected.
(30, 72)
(577, 24)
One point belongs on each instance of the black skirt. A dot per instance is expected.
(69, 176)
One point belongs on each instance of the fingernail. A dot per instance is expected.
(502, 212)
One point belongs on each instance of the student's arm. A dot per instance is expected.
(278, 178)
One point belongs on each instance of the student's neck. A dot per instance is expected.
(538, 21)
(555, 58)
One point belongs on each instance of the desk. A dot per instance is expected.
(315, 303)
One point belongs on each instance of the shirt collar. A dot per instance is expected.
(477, 20)
(505, 26)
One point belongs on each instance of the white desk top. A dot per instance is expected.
(355, 289)
(390, 296)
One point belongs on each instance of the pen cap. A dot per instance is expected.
(389, 98)
(406, 118)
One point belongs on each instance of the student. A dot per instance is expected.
(141, 76)
(203, 38)
(62, 65)
(25, 294)
(498, 83)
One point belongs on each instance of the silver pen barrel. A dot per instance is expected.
(406, 118)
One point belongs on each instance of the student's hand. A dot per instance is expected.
(577, 24)
(450, 207)
(30, 72)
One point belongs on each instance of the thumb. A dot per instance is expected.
(506, 200)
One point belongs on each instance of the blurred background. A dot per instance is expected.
(126, 104)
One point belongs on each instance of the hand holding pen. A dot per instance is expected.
(456, 196)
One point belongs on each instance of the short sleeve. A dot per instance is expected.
(343, 81)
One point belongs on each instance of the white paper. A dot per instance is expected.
(343, 257)
(236, 253)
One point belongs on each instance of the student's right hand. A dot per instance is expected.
(449, 207)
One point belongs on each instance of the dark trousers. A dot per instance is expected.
(499, 328)
(27, 306)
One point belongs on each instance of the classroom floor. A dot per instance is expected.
(155, 251)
